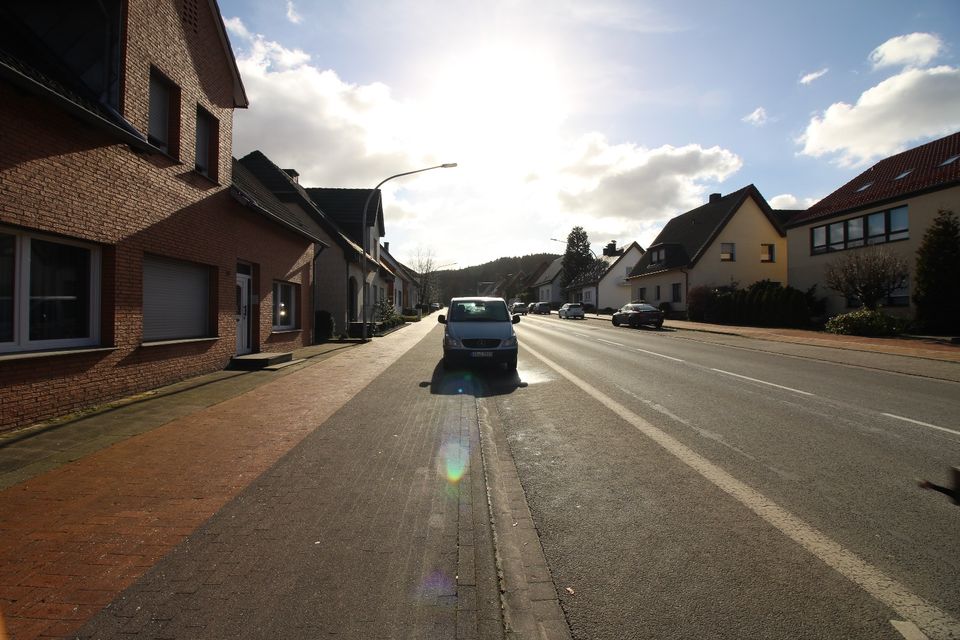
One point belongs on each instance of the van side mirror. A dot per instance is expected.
(442, 319)
(516, 319)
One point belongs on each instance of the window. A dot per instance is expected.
(904, 174)
(49, 293)
(865, 187)
(768, 253)
(658, 292)
(164, 125)
(949, 160)
(728, 252)
(176, 300)
(285, 306)
(873, 228)
(587, 296)
(207, 152)
(642, 293)
(675, 293)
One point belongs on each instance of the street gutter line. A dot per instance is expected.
(778, 386)
(922, 424)
(936, 622)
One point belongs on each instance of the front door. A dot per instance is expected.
(243, 314)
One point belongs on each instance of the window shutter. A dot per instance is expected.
(176, 299)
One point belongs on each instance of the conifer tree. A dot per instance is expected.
(937, 285)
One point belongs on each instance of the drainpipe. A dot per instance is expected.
(686, 290)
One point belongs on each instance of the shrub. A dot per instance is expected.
(865, 322)
(698, 299)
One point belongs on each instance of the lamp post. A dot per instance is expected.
(596, 307)
(364, 235)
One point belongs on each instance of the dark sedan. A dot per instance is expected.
(636, 314)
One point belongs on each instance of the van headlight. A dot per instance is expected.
(450, 342)
(509, 342)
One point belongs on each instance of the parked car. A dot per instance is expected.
(542, 308)
(518, 308)
(571, 310)
(532, 307)
(479, 330)
(435, 306)
(636, 314)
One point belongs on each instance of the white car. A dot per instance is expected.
(479, 330)
(571, 310)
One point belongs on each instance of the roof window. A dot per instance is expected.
(904, 174)
(949, 160)
(865, 187)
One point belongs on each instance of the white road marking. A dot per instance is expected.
(616, 344)
(936, 622)
(778, 386)
(922, 424)
(908, 630)
(660, 355)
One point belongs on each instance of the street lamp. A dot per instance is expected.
(365, 235)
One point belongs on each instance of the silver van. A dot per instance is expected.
(479, 330)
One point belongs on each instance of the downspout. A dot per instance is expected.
(317, 250)
(686, 290)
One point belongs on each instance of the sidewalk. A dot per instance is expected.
(261, 507)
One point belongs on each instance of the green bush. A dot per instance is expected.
(865, 322)
(698, 300)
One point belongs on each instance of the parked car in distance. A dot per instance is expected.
(542, 308)
(532, 307)
(479, 330)
(518, 309)
(435, 306)
(571, 310)
(636, 314)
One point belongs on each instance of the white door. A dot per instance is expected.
(243, 314)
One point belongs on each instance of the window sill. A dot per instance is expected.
(29, 355)
(280, 331)
(206, 178)
(163, 343)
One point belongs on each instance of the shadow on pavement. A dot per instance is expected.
(476, 381)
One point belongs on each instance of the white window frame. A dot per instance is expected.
(21, 288)
(292, 325)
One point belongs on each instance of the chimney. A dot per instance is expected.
(714, 197)
(611, 249)
(293, 175)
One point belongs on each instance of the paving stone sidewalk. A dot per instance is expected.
(296, 509)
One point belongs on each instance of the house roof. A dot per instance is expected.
(345, 207)
(688, 235)
(240, 100)
(535, 276)
(284, 189)
(910, 173)
(249, 191)
(550, 273)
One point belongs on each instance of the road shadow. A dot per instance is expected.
(479, 381)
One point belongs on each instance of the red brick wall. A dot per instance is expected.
(63, 177)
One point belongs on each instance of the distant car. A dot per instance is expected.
(518, 309)
(542, 308)
(434, 306)
(532, 307)
(571, 310)
(479, 330)
(636, 314)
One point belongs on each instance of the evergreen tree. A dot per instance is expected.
(578, 257)
(937, 286)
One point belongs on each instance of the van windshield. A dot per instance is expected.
(479, 311)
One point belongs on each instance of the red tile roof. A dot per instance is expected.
(926, 173)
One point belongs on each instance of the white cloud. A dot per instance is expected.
(756, 118)
(292, 14)
(910, 106)
(790, 201)
(815, 75)
(915, 49)
(339, 134)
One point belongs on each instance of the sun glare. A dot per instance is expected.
(498, 105)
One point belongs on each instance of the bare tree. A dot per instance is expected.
(424, 264)
(869, 275)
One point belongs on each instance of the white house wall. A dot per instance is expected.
(615, 290)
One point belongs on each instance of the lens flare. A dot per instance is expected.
(454, 459)
(436, 585)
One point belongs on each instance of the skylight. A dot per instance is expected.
(865, 187)
(904, 174)
(949, 160)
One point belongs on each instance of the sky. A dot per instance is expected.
(612, 115)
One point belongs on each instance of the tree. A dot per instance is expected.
(937, 287)
(578, 257)
(869, 275)
(424, 265)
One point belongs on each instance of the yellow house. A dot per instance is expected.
(733, 239)
(891, 204)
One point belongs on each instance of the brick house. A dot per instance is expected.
(891, 204)
(735, 238)
(122, 245)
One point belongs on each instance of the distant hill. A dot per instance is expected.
(464, 282)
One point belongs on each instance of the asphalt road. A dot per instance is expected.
(687, 489)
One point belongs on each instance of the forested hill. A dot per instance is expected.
(463, 282)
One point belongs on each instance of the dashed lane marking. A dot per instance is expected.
(935, 622)
(778, 386)
(922, 424)
(660, 355)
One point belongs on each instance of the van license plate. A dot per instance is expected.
(481, 354)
